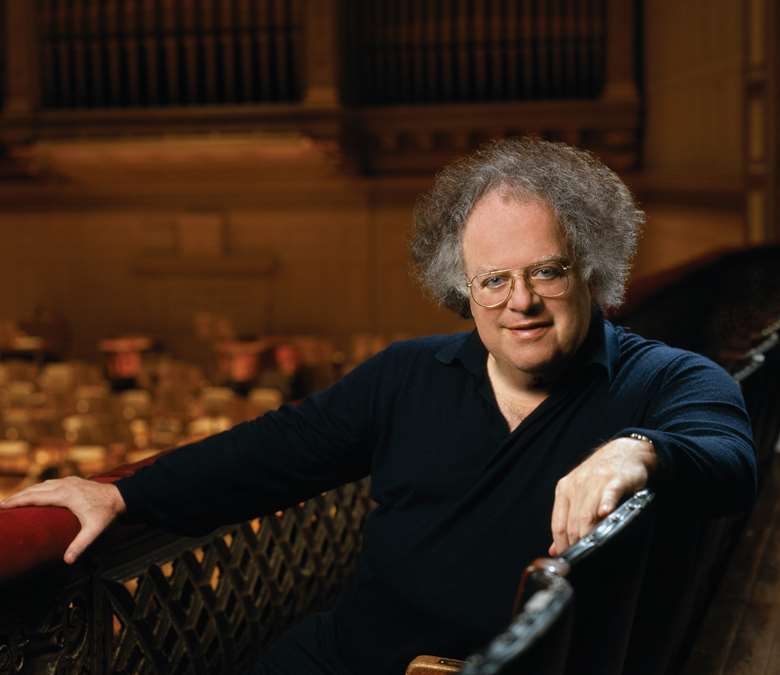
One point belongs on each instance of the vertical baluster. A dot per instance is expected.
(393, 93)
(263, 82)
(78, 50)
(61, 34)
(170, 44)
(369, 41)
(362, 42)
(597, 61)
(208, 52)
(432, 50)
(458, 57)
(461, 35)
(281, 36)
(514, 56)
(543, 50)
(111, 51)
(130, 49)
(497, 51)
(421, 11)
(570, 80)
(576, 40)
(390, 21)
(446, 62)
(455, 49)
(394, 89)
(401, 55)
(294, 48)
(414, 57)
(530, 67)
(49, 55)
(419, 17)
(247, 56)
(417, 56)
(380, 83)
(586, 41)
(588, 45)
(271, 55)
(94, 38)
(404, 50)
(188, 11)
(226, 49)
(556, 48)
(150, 29)
(382, 47)
(276, 47)
(478, 56)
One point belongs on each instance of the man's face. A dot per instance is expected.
(528, 336)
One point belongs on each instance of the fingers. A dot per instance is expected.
(560, 520)
(592, 490)
(42, 494)
(609, 499)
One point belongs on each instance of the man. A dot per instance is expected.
(485, 449)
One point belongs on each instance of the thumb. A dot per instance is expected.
(83, 539)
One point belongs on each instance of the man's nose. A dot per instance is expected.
(522, 298)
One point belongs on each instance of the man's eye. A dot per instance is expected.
(546, 273)
(494, 281)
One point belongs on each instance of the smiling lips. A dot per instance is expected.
(529, 330)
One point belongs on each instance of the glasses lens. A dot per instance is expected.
(494, 288)
(549, 280)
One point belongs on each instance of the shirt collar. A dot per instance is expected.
(601, 348)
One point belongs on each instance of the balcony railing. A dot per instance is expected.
(444, 51)
(147, 53)
(396, 86)
(141, 601)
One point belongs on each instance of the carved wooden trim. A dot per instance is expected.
(760, 109)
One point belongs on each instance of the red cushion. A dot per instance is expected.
(34, 535)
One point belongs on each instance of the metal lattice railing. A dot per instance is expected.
(161, 604)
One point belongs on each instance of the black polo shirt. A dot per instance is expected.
(463, 504)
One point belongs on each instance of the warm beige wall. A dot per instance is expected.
(693, 139)
(693, 86)
(341, 266)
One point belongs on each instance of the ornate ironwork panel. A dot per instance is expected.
(165, 605)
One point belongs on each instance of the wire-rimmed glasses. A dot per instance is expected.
(546, 279)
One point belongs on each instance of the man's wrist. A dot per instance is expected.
(652, 461)
(118, 502)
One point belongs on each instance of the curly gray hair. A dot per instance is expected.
(596, 211)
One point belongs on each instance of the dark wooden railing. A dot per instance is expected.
(396, 85)
(441, 51)
(142, 53)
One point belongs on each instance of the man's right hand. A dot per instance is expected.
(96, 505)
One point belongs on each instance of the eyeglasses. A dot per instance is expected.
(494, 288)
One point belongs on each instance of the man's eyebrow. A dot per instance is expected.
(562, 259)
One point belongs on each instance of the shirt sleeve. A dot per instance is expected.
(265, 464)
(702, 436)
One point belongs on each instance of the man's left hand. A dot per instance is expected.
(593, 489)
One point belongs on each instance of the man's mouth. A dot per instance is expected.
(529, 329)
